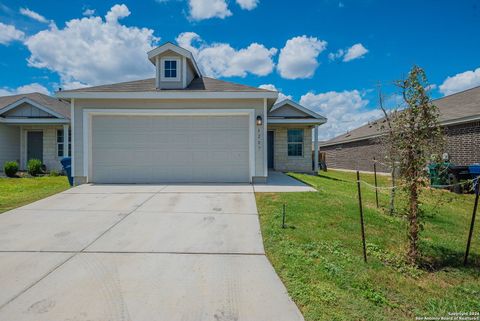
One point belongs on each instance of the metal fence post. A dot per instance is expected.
(361, 217)
(472, 223)
(375, 175)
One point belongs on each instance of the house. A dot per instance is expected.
(459, 116)
(181, 126)
(34, 126)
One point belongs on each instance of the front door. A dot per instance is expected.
(35, 145)
(270, 142)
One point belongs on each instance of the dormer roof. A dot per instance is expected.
(179, 50)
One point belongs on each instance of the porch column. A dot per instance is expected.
(315, 150)
(157, 72)
(65, 140)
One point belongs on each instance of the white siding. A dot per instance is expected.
(81, 104)
(9, 144)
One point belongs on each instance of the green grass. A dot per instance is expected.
(16, 192)
(319, 255)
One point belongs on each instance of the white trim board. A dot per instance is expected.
(265, 141)
(162, 69)
(89, 113)
(297, 121)
(169, 94)
(72, 129)
(33, 121)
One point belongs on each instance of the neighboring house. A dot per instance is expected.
(459, 116)
(33, 126)
(183, 127)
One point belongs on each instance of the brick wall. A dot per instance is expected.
(355, 155)
(283, 162)
(462, 144)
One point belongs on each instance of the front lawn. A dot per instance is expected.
(16, 192)
(319, 254)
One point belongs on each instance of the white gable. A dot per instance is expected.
(288, 108)
(27, 108)
(288, 111)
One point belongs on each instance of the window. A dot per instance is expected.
(170, 69)
(295, 142)
(60, 143)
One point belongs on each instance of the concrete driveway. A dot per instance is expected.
(139, 252)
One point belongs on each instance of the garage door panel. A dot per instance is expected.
(149, 149)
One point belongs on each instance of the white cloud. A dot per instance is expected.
(88, 12)
(281, 96)
(34, 15)
(9, 33)
(33, 87)
(247, 4)
(91, 51)
(344, 110)
(221, 60)
(336, 55)
(116, 13)
(298, 59)
(206, 9)
(355, 52)
(461, 81)
(186, 39)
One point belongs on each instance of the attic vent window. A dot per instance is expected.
(170, 69)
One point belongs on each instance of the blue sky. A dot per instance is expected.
(328, 55)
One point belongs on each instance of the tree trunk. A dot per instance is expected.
(414, 227)
(392, 192)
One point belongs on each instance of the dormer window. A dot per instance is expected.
(170, 68)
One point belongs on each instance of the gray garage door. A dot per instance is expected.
(155, 149)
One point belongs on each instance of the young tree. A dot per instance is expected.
(387, 142)
(416, 135)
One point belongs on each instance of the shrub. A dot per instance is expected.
(34, 167)
(10, 168)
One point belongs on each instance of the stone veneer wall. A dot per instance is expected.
(462, 144)
(281, 160)
(50, 158)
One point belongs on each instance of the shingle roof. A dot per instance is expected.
(454, 107)
(48, 102)
(146, 85)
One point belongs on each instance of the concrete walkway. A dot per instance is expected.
(139, 252)
(279, 182)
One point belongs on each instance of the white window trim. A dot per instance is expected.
(302, 143)
(162, 69)
(63, 142)
(89, 113)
